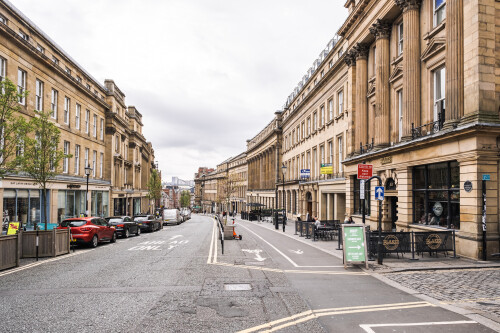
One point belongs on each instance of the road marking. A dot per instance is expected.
(176, 236)
(282, 323)
(368, 327)
(257, 254)
(295, 271)
(209, 259)
(22, 268)
(145, 248)
(297, 252)
(284, 255)
(151, 243)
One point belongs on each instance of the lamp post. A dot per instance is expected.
(88, 171)
(283, 171)
(202, 186)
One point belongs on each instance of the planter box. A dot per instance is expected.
(51, 243)
(9, 251)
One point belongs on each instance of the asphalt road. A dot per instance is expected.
(177, 280)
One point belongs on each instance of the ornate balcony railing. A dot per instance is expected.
(366, 148)
(427, 129)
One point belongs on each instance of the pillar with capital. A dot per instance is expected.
(361, 127)
(411, 65)
(382, 30)
(350, 60)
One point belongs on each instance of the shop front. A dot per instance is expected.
(25, 206)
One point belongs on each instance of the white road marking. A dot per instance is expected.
(176, 236)
(257, 254)
(279, 324)
(368, 327)
(297, 252)
(209, 259)
(152, 243)
(284, 255)
(145, 248)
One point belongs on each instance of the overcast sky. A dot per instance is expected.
(206, 74)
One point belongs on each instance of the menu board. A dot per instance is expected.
(354, 244)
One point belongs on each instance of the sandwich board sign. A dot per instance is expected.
(354, 244)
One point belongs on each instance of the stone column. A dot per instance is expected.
(411, 65)
(361, 126)
(454, 62)
(382, 30)
(350, 60)
(481, 59)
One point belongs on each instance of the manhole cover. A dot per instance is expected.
(237, 286)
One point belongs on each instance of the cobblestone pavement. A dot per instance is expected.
(477, 290)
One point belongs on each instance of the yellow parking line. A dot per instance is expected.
(308, 315)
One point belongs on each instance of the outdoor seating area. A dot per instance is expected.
(328, 230)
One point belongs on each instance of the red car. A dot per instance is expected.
(89, 230)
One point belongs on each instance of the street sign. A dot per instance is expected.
(486, 177)
(362, 189)
(365, 171)
(354, 244)
(326, 169)
(305, 173)
(379, 193)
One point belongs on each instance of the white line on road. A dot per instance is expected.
(209, 259)
(284, 255)
(368, 327)
(282, 323)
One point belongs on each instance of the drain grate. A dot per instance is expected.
(237, 286)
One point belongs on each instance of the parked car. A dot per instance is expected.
(172, 216)
(148, 222)
(186, 214)
(89, 230)
(125, 226)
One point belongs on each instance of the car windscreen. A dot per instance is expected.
(170, 213)
(140, 218)
(73, 223)
(114, 220)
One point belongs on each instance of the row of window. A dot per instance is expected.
(86, 161)
(316, 121)
(55, 60)
(314, 164)
(54, 105)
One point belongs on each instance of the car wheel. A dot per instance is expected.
(138, 233)
(94, 242)
(127, 233)
(113, 238)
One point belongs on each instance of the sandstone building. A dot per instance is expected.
(89, 116)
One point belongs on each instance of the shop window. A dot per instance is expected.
(23, 206)
(357, 201)
(70, 204)
(436, 195)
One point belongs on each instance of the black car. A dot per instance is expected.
(148, 222)
(124, 225)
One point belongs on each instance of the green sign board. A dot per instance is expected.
(354, 244)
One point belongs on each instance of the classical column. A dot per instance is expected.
(411, 64)
(382, 30)
(454, 62)
(361, 127)
(350, 60)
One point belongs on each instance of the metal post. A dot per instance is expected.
(284, 209)
(36, 243)
(379, 241)
(87, 197)
(484, 220)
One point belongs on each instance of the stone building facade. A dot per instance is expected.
(315, 130)
(426, 114)
(80, 108)
(264, 161)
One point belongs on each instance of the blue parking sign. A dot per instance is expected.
(379, 193)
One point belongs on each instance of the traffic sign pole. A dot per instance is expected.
(379, 242)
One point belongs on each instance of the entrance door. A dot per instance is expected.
(394, 211)
(309, 204)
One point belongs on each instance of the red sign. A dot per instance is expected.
(365, 171)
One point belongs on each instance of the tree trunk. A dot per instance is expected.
(44, 202)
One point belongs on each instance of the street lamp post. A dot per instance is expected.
(283, 171)
(202, 186)
(88, 171)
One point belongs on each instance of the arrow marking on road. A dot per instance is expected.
(257, 254)
(297, 252)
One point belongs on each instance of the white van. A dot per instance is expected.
(171, 216)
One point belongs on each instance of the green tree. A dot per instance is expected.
(42, 156)
(185, 198)
(154, 186)
(13, 126)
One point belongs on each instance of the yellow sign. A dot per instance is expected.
(326, 169)
(13, 228)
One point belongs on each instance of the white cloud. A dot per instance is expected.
(206, 75)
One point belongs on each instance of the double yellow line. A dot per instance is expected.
(302, 317)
